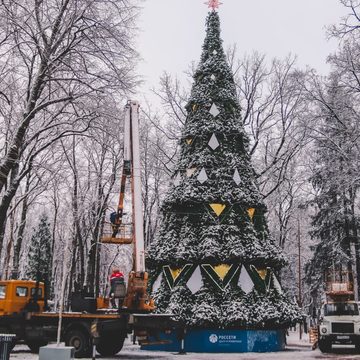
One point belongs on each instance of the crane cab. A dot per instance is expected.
(19, 295)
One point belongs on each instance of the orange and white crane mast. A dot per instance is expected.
(132, 121)
(132, 170)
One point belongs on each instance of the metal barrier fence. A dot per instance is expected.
(314, 336)
(7, 342)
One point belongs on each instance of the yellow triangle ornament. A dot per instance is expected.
(175, 273)
(251, 213)
(194, 107)
(189, 141)
(218, 208)
(221, 270)
(262, 273)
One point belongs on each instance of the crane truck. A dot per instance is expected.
(339, 315)
(22, 303)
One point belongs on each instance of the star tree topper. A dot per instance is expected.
(214, 4)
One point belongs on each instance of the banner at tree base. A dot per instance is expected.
(223, 341)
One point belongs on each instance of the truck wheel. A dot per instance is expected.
(35, 346)
(80, 340)
(110, 344)
(324, 346)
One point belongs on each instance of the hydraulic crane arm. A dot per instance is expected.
(136, 297)
(132, 112)
(132, 169)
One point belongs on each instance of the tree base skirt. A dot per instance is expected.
(223, 341)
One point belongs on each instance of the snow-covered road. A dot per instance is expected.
(297, 350)
(133, 353)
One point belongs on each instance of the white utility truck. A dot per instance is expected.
(339, 316)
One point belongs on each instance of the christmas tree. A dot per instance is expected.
(39, 266)
(213, 262)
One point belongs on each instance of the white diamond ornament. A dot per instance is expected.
(213, 77)
(157, 283)
(277, 285)
(214, 111)
(202, 177)
(177, 179)
(195, 283)
(236, 177)
(213, 142)
(245, 281)
(214, 52)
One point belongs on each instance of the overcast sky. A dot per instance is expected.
(172, 32)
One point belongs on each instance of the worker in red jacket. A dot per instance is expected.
(116, 274)
(116, 277)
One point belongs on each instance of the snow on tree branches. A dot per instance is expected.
(213, 256)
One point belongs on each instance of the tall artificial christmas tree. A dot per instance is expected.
(213, 262)
(39, 266)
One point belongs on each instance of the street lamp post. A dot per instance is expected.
(299, 273)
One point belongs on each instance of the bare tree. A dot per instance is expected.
(60, 60)
(349, 23)
(155, 170)
(274, 109)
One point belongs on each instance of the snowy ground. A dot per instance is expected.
(296, 350)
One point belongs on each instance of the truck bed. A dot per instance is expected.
(81, 315)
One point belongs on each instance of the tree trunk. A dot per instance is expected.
(77, 227)
(72, 276)
(20, 234)
(357, 246)
(94, 252)
(10, 162)
(9, 246)
(5, 203)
